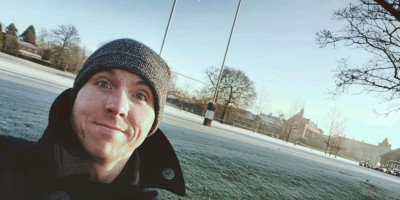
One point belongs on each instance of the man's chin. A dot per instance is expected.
(102, 153)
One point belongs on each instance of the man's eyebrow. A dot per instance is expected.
(142, 82)
(111, 71)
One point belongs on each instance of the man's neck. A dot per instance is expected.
(106, 172)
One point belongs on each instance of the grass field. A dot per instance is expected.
(215, 167)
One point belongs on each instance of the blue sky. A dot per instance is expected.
(273, 43)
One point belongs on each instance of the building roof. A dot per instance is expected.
(34, 55)
(385, 142)
(391, 152)
(26, 44)
(313, 125)
(249, 115)
(269, 119)
(314, 128)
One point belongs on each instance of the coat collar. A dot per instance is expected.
(160, 166)
(153, 165)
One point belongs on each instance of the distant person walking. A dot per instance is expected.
(102, 140)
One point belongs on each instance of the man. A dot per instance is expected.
(102, 140)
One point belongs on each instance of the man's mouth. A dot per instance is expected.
(110, 126)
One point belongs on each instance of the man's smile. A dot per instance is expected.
(108, 126)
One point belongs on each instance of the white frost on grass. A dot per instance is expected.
(191, 121)
(23, 68)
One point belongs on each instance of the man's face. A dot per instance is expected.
(112, 114)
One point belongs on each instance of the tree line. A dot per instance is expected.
(60, 47)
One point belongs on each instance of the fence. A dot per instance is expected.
(188, 107)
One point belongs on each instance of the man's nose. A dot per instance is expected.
(118, 104)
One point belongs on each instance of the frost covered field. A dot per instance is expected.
(220, 162)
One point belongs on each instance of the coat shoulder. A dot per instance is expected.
(13, 153)
(13, 150)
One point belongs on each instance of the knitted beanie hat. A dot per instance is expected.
(134, 57)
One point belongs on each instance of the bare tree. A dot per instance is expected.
(371, 27)
(64, 38)
(259, 105)
(202, 97)
(261, 101)
(340, 140)
(184, 93)
(392, 6)
(336, 125)
(43, 42)
(293, 124)
(76, 57)
(236, 89)
(172, 87)
(43, 39)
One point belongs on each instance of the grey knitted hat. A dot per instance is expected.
(131, 56)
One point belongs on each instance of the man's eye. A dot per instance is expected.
(140, 96)
(103, 84)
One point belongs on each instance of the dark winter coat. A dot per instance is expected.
(57, 168)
